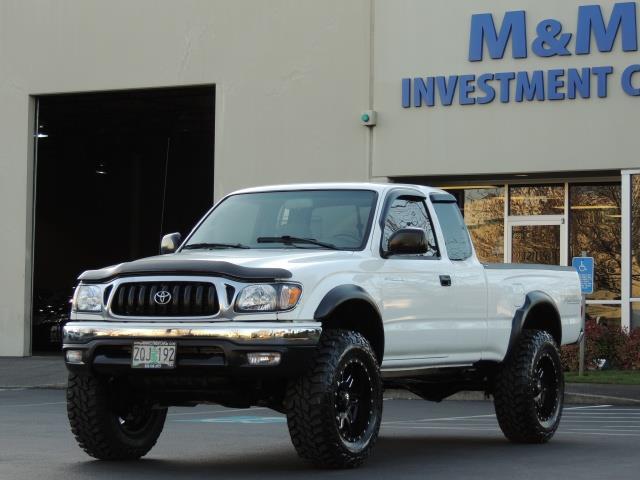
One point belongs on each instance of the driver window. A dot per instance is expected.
(406, 212)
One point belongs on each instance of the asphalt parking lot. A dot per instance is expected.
(453, 440)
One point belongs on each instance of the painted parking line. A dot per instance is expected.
(435, 427)
(606, 434)
(596, 420)
(210, 412)
(33, 404)
(586, 407)
(241, 419)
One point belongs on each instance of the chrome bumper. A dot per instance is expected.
(259, 333)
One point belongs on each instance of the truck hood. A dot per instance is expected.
(243, 265)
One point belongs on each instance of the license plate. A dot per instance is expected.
(153, 354)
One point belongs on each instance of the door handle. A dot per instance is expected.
(445, 280)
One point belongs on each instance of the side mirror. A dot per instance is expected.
(170, 243)
(408, 241)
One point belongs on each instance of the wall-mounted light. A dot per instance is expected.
(40, 133)
(101, 168)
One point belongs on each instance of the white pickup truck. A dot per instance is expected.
(311, 299)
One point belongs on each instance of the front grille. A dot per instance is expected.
(187, 299)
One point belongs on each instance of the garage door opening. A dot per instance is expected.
(114, 171)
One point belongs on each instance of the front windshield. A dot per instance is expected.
(337, 219)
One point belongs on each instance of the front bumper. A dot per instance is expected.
(211, 348)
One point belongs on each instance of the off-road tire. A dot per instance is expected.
(524, 415)
(97, 427)
(313, 409)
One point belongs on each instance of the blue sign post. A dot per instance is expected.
(584, 267)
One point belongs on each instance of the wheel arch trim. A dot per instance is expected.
(341, 294)
(534, 300)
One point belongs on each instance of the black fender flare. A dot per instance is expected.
(341, 294)
(532, 300)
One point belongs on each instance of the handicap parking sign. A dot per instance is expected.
(584, 267)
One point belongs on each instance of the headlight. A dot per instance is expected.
(268, 298)
(88, 298)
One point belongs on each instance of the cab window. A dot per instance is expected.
(409, 212)
(454, 231)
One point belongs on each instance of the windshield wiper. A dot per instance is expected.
(196, 246)
(289, 240)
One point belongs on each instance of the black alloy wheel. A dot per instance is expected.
(353, 401)
(529, 389)
(334, 410)
(546, 388)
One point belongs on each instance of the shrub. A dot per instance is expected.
(620, 349)
(629, 352)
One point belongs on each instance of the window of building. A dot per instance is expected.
(407, 212)
(483, 211)
(595, 231)
(536, 244)
(536, 200)
(635, 315)
(604, 314)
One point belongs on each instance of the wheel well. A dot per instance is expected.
(362, 317)
(544, 316)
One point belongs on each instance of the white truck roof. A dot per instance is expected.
(377, 187)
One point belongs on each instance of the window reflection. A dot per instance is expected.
(536, 244)
(536, 200)
(483, 211)
(635, 236)
(595, 229)
(604, 314)
(635, 315)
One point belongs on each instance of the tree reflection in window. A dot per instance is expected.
(536, 200)
(408, 213)
(595, 229)
(483, 212)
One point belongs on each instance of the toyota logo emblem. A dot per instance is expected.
(162, 297)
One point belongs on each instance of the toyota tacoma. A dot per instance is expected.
(311, 300)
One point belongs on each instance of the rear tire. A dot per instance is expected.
(105, 426)
(334, 410)
(529, 390)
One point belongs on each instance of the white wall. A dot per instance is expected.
(426, 38)
(292, 78)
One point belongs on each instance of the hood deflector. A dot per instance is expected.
(169, 266)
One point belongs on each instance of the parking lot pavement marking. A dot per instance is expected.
(606, 434)
(438, 419)
(448, 427)
(592, 420)
(588, 407)
(209, 412)
(601, 412)
(243, 419)
(569, 420)
(33, 404)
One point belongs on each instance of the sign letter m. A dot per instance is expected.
(483, 30)
(623, 17)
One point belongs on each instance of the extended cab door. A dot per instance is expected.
(434, 310)
(467, 319)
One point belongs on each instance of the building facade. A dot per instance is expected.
(116, 114)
